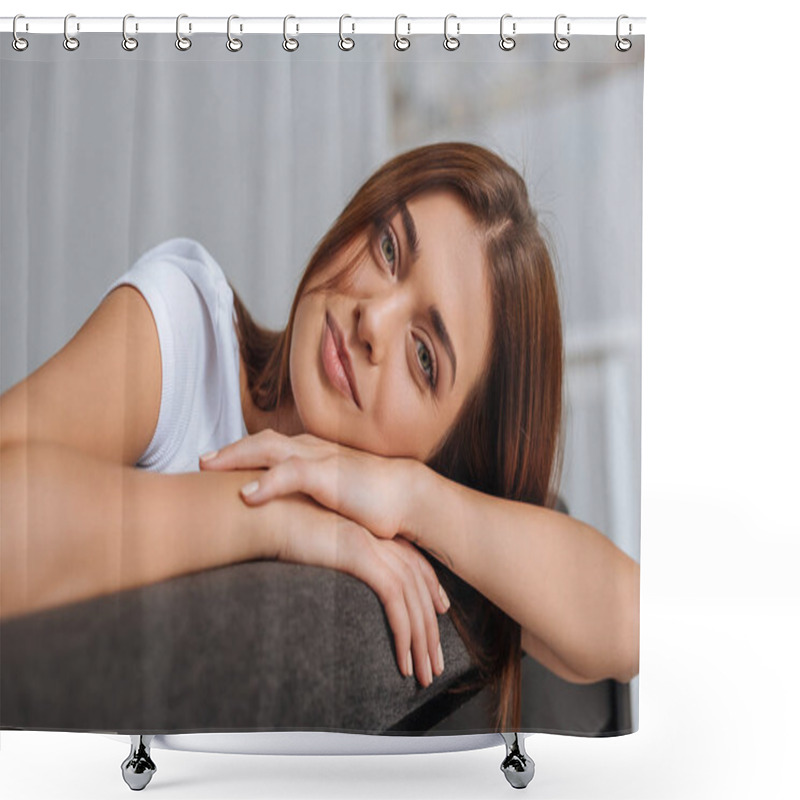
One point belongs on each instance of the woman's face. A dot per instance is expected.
(414, 323)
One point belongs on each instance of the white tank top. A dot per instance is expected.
(192, 304)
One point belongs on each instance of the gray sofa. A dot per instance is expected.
(209, 652)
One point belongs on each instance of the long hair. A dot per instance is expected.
(505, 440)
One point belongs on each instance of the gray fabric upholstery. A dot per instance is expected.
(252, 647)
(246, 647)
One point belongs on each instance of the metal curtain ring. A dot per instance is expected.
(623, 45)
(181, 42)
(18, 43)
(233, 44)
(70, 42)
(129, 43)
(289, 44)
(507, 42)
(451, 42)
(561, 43)
(345, 42)
(400, 42)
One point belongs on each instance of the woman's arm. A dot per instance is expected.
(574, 593)
(74, 526)
(101, 393)
(76, 518)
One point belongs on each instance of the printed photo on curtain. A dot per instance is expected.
(321, 379)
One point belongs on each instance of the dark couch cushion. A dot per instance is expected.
(261, 646)
(254, 646)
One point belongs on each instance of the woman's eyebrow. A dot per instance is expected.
(435, 316)
(410, 230)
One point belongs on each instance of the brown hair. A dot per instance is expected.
(506, 438)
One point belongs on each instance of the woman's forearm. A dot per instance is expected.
(562, 580)
(73, 527)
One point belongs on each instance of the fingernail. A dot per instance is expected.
(429, 672)
(209, 456)
(441, 660)
(250, 488)
(445, 598)
(410, 665)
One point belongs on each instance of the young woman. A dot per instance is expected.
(413, 403)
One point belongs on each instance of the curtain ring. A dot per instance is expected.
(70, 42)
(623, 45)
(451, 42)
(233, 44)
(181, 42)
(18, 43)
(129, 43)
(507, 42)
(400, 42)
(561, 43)
(345, 42)
(289, 44)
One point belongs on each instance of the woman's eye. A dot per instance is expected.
(426, 362)
(387, 246)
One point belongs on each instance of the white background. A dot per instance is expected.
(720, 612)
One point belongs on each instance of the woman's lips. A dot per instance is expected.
(336, 361)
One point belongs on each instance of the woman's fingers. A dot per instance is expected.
(376, 571)
(423, 665)
(331, 480)
(393, 599)
(393, 568)
(266, 448)
(424, 626)
(262, 449)
(427, 595)
(292, 475)
(374, 491)
(411, 637)
(440, 599)
(394, 573)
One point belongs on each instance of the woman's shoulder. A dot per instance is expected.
(181, 275)
(189, 255)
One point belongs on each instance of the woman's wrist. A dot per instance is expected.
(260, 524)
(428, 497)
(414, 485)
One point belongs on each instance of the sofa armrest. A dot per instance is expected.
(254, 646)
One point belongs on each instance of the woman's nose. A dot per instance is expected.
(379, 319)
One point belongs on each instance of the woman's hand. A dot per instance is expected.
(373, 490)
(403, 579)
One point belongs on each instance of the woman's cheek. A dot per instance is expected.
(304, 373)
(401, 428)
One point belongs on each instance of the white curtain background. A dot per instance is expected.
(252, 158)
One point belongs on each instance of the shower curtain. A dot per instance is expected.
(206, 180)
